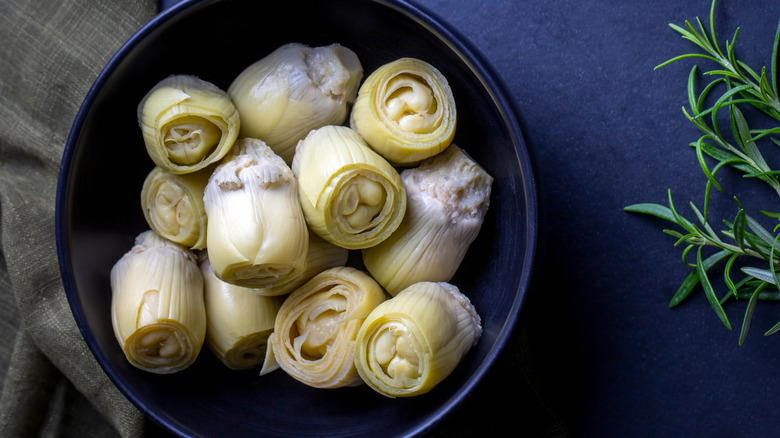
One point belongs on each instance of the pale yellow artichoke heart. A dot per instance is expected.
(447, 199)
(239, 321)
(405, 110)
(315, 329)
(187, 123)
(411, 342)
(351, 196)
(257, 234)
(294, 89)
(157, 308)
(173, 205)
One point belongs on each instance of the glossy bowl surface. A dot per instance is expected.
(105, 163)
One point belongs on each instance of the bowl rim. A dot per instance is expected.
(493, 85)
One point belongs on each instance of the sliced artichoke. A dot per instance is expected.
(447, 199)
(239, 321)
(411, 342)
(315, 329)
(173, 205)
(351, 196)
(406, 111)
(157, 308)
(293, 90)
(257, 234)
(187, 123)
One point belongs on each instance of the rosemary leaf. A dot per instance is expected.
(658, 211)
(761, 274)
(739, 229)
(765, 236)
(709, 292)
(773, 330)
(727, 275)
(773, 65)
(751, 307)
(692, 280)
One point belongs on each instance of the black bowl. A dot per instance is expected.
(105, 163)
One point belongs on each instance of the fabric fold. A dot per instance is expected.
(52, 54)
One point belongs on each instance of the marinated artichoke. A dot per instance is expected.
(350, 195)
(157, 308)
(314, 334)
(173, 205)
(187, 123)
(293, 90)
(257, 234)
(410, 343)
(447, 199)
(405, 111)
(239, 321)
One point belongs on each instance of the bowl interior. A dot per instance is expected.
(105, 163)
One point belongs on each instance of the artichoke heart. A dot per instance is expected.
(239, 321)
(447, 199)
(173, 205)
(314, 333)
(406, 111)
(256, 234)
(187, 123)
(157, 307)
(294, 89)
(411, 342)
(351, 196)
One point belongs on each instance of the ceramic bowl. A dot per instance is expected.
(105, 163)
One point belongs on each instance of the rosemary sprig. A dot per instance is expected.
(744, 239)
(742, 86)
(754, 88)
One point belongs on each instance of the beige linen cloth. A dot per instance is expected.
(50, 54)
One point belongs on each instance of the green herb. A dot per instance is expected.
(744, 241)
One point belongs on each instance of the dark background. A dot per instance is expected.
(605, 130)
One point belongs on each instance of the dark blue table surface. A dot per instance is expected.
(606, 130)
